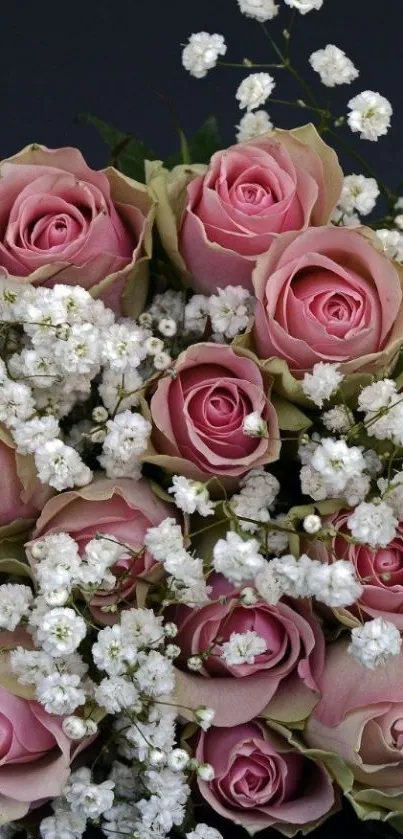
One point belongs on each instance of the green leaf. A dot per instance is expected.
(201, 147)
(127, 153)
(14, 566)
(290, 418)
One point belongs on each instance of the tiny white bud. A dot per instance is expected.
(206, 772)
(248, 596)
(167, 327)
(39, 549)
(74, 728)
(171, 630)
(193, 764)
(154, 346)
(172, 651)
(100, 414)
(399, 221)
(254, 425)
(178, 760)
(145, 319)
(156, 757)
(57, 597)
(312, 524)
(204, 717)
(92, 727)
(195, 663)
(98, 435)
(162, 361)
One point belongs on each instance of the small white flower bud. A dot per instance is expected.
(399, 221)
(154, 346)
(248, 596)
(206, 772)
(172, 651)
(204, 717)
(57, 597)
(178, 760)
(100, 414)
(312, 524)
(193, 764)
(156, 757)
(167, 327)
(254, 425)
(162, 361)
(92, 727)
(195, 663)
(171, 630)
(74, 728)
(39, 549)
(145, 319)
(98, 435)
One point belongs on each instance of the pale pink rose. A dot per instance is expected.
(291, 666)
(327, 294)
(250, 193)
(261, 781)
(197, 415)
(360, 718)
(21, 494)
(380, 571)
(35, 754)
(121, 508)
(62, 222)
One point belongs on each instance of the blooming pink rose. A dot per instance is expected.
(250, 193)
(380, 571)
(21, 495)
(122, 508)
(261, 781)
(62, 222)
(290, 667)
(327, 294)
(197, 415)
(360, 718)
(35, 754)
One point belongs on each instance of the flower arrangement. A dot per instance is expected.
(201, 444)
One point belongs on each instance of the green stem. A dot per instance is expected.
(250, 66)
(386, 192)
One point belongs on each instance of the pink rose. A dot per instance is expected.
(380, 571)
(327, 294)
(250, 193)
(290, 667)
(62, 222)
(197, 415)
(35, 754)
(360, 718)
(122, 508)
(261, 781)
(21, 495)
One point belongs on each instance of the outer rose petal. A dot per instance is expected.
(183, 438)
(305, 339)
(295, 181)
(239, 693)
(109, 260)
(22, 494)
(288, 805)
(122, 508)
(36, 766)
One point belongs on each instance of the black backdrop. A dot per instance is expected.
(115, 58)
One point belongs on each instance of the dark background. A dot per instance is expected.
(116, 58)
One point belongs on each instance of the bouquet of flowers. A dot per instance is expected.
(201, 445)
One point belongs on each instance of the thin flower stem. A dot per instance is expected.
(250, 66)
(386, 192)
